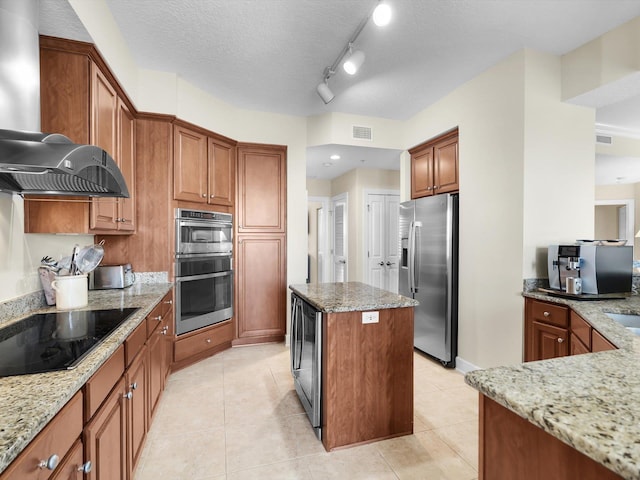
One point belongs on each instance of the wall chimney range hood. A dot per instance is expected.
(51, 164)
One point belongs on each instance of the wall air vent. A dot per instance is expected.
(362, 133)
(604, 139)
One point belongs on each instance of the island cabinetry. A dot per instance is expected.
(81, 99)
(204, 166)
(54, 449)
(512, 447)
(261, 244)
(546, 330)
(434, 166)
(367, 377)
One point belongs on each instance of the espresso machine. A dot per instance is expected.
(600, 268)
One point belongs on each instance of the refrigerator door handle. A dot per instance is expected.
(294, 330)
(415, 260)
(410, 260)
(302, 322)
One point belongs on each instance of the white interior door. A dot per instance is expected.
(383, 241)
(339, 251)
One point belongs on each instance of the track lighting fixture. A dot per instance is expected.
(354, 60)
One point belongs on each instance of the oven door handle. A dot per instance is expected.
(228, 253)
(204, 276)
(203, 223)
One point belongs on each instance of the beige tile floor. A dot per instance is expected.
(235, 416)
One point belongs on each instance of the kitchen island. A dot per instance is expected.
(29, 402)
(367, 362)
(559, 416)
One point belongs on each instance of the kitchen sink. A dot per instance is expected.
(631, 322)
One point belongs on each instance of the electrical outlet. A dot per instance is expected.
(370, 317)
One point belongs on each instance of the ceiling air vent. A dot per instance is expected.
(604, 139)
(362, 133)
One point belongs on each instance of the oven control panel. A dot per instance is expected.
(203, 215)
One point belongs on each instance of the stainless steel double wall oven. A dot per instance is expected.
(203, 269)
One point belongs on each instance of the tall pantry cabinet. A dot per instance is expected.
(261, 243)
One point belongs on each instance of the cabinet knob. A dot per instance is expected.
(158, 318)
(85, 467)
(560, 340)
(51, 463)
(169, 302)
(208, 340)
(164, 330)
(134, 386)
(435, 187)
(212, 196)
(128, 395)
(429, 188)
(546, 314)
(204, 195)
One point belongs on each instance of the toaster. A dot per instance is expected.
(111, 276)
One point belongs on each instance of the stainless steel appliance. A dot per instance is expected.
(306, 358)
(603, 269)
(45, 342)
(111, 276)
(203, 269)
(429, 272)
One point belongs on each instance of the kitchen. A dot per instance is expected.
(522, 159)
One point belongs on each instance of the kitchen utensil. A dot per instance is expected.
(71, 291)
(89, 257)
(46, 277)
(74, 267)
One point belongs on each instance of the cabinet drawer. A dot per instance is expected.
(549, 313)
(100, 384)
(56, 438)
(581, 329)
(154, 319)
(134, 342)
(186, 347)
(167, 304)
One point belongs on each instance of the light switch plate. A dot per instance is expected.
(370, 317)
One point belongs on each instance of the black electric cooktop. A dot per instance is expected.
(45, 342)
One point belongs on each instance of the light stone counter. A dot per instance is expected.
(350, 297)
(591, 401)
(29, 402)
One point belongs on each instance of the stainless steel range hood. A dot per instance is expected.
(51, 164)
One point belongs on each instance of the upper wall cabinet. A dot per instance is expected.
(81, 99)
(203, 168)
(434, 166)
(262, 189)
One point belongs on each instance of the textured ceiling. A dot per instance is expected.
(269, 55)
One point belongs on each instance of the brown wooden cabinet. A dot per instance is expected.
(82, 100)
(512, 447)
(546, 330)
(261, 244)
(136, 381)
(73, 466)
(203, 167)
(434, 166)
(553, 330)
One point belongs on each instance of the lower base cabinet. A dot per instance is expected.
(137, 416)
(72, 467)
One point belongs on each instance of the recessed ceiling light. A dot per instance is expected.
(327, 164)
(335, 157)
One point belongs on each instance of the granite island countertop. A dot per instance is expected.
(350, 297)
(29, 402)
(590, 402)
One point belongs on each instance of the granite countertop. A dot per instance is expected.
(591, 401)
(29, 402)
(349, 297)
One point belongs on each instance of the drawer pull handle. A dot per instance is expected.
(51, 463)
(560, 340)
(85, 467)
(546, 314)
(128, 395)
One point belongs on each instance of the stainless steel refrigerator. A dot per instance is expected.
(429, 272)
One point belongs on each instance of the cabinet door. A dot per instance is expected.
(104, 105)
(167, 332)
(577, 347)
(71, 468)
(105, 437)
(137, 418)
(222, 173)
(190, 165)
(445, 166)
(126, 162)
(156, 376)
(261, 292)
(262, 195)
(548, 341)
(422, 173)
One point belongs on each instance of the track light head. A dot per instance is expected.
(354, 62)
(325, 92)
(382, 14)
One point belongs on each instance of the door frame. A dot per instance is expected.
(341, 197)
(631, 216)
(365, 225)
(324, 240)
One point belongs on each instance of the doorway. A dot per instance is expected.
(339, 237)
(381, 242)
(615, 219)
(318, 267)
